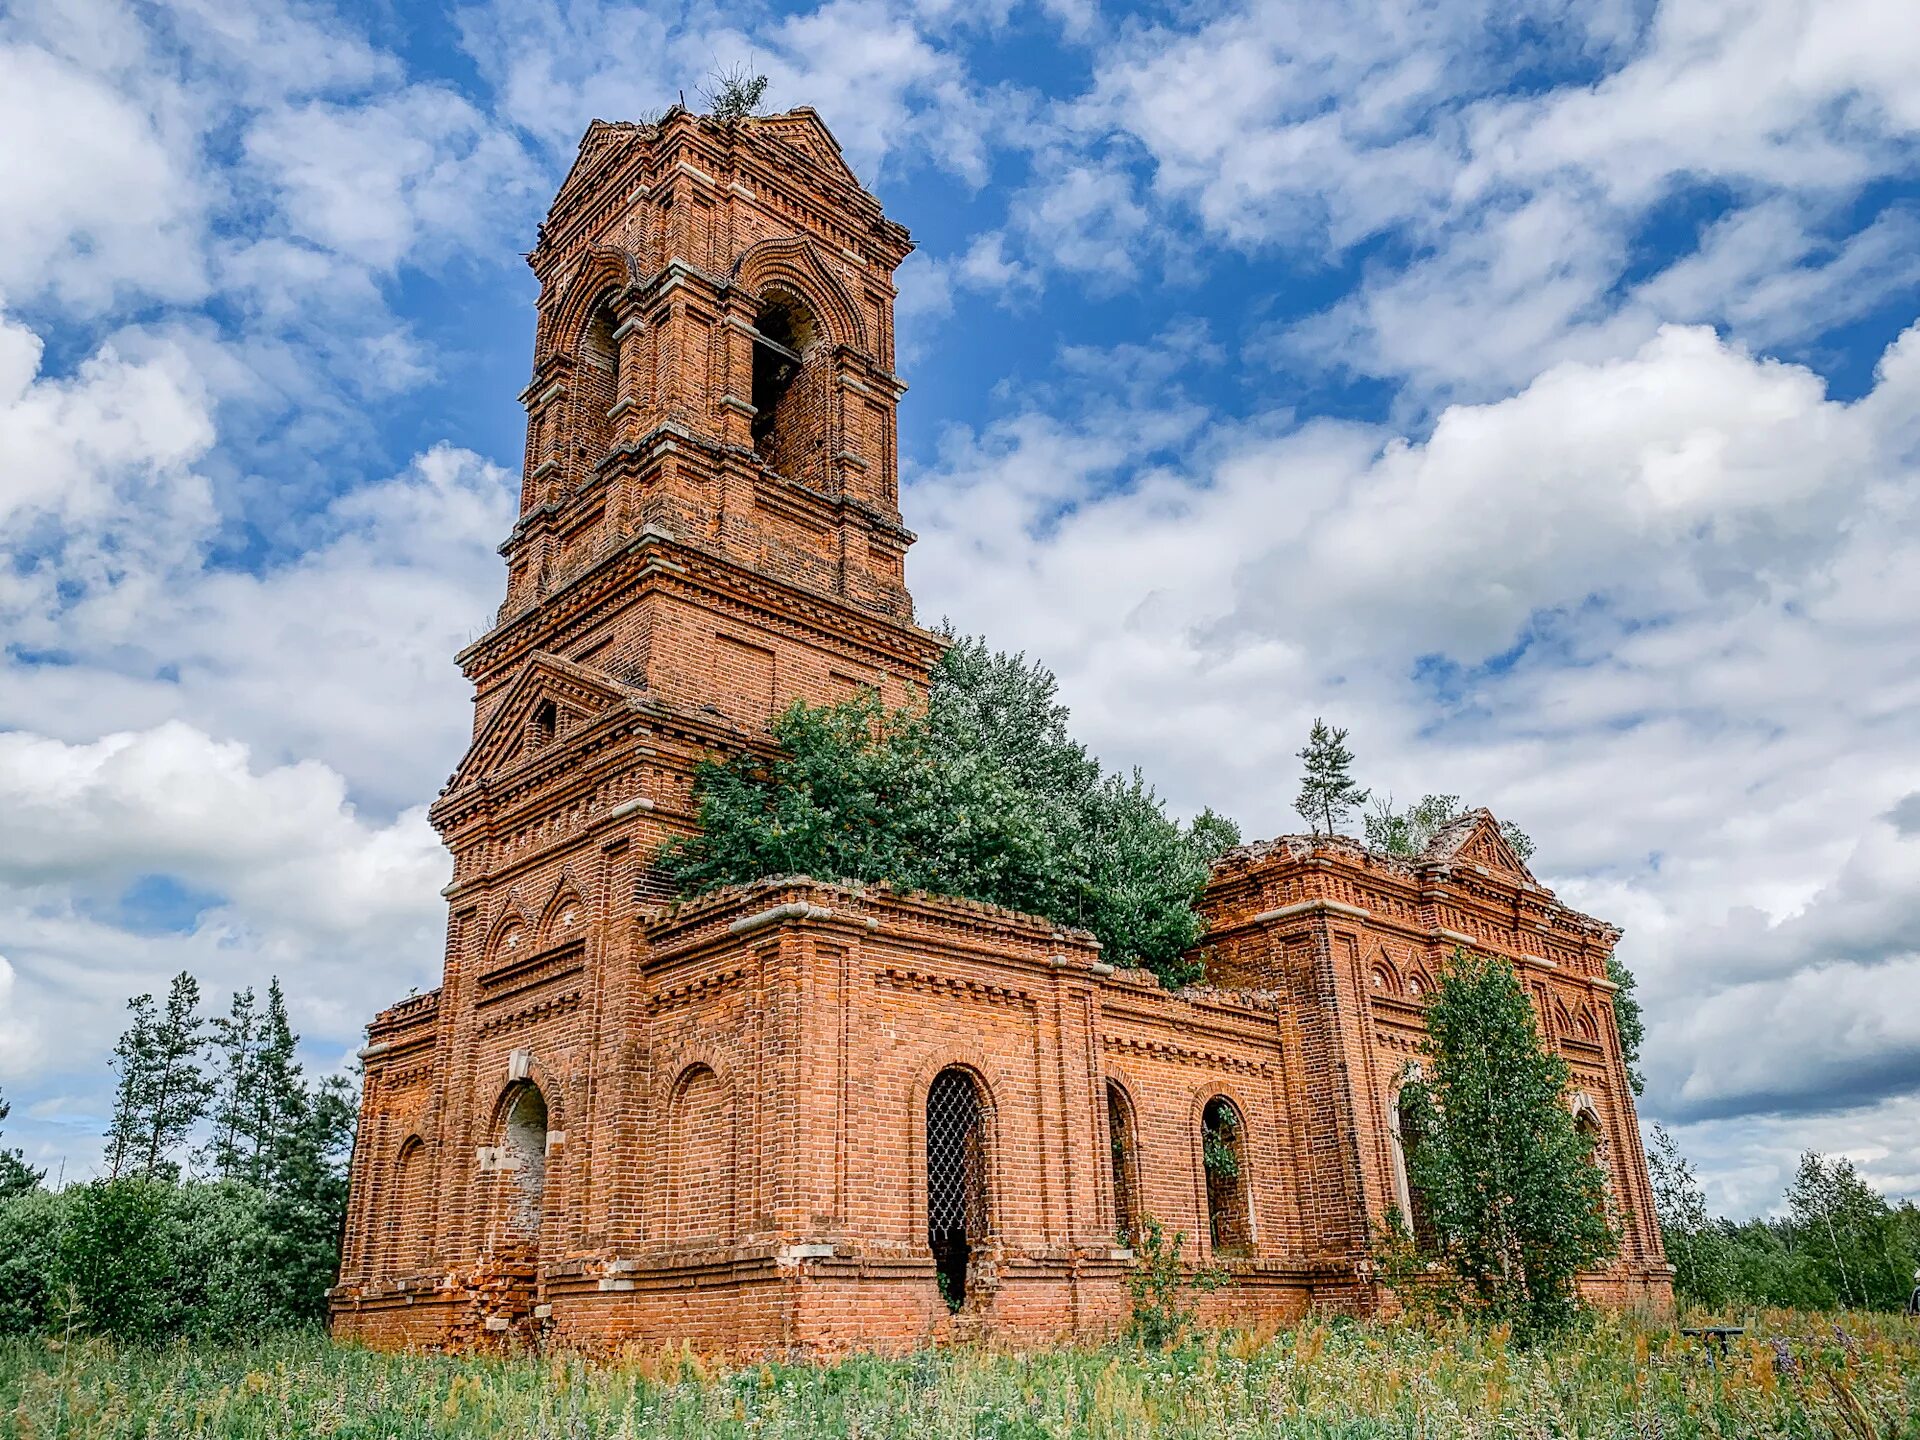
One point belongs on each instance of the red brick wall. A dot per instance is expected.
(736, 1087)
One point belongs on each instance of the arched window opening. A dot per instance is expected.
(523, 1158)
(1413, 1200)
(1126, 1163)
(956, 1180)
(1588, 1124)
(598, 378)
(787, 411)
(544, 725)
(1223, 1155)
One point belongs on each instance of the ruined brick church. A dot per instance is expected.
(810, 1115)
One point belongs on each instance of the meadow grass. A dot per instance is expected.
(1853, 1376)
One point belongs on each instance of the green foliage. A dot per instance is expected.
(1161, 1285)
(1220, 1147)
(733, 92)
(143, 1256)
(981, 794)
(1517, 1205)
(1840, 1243)
(1410, 831)
(1794, 1377)
(1629, 1025)
(16, 1176)
(1328, 793)
(162, 1091)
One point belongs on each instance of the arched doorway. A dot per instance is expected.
(1413, 1200)
(956, 1180)
(523, 1162)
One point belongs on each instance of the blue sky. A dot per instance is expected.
(1533, 396)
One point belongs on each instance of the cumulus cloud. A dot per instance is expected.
(1645, 607)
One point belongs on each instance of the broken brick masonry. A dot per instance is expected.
(806, 1116)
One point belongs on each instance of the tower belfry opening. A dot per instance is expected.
(783, 334)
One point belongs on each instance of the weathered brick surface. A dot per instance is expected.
(734, 1090)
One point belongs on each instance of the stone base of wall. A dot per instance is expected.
(780, 1302)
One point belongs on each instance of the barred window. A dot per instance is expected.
(956, 1179)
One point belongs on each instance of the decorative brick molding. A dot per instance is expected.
(626, 1118)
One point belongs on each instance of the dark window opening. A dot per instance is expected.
(956, 1180)
(783, 333)
(1125, 1163)
(1223, 1156)
(544, 725)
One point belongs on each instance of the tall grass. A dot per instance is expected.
(1856, 1377)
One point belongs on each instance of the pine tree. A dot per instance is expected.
(1328, 793)
(178, 1090)
(277, 1093)
(134, 1062)
(236, 1046)
(1517, 1204)
(16, 1176)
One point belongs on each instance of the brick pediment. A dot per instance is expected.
(805, 131)
(550, 699)
(1475, 839)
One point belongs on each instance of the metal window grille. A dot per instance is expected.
(956, 1158)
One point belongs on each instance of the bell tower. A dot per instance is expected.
(714, 361)
(709, 515)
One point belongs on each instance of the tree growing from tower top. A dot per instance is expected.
(1328, 792)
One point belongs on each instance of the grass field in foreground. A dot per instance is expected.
(1852, 1376)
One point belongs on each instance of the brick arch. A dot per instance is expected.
(1383, 976)
(566, 891)
(511, 915)
(793, 262)
(552, 1090)
(702, 1128)
(407, 1179)
(1228, 1203)
(606, 273)
(974, 1061)
(1124, 1159)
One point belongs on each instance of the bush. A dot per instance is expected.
(981, 794)
(144, 1260)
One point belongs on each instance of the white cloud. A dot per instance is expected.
(1704, 563)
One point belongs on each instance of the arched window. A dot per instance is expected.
(1223, 1155)
(1413, 1201)
(523, 1158)
(544, 725)
(1126, 1163)
(956, 1179)
(789, 395)
(1588, 1124)
(598, 378)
